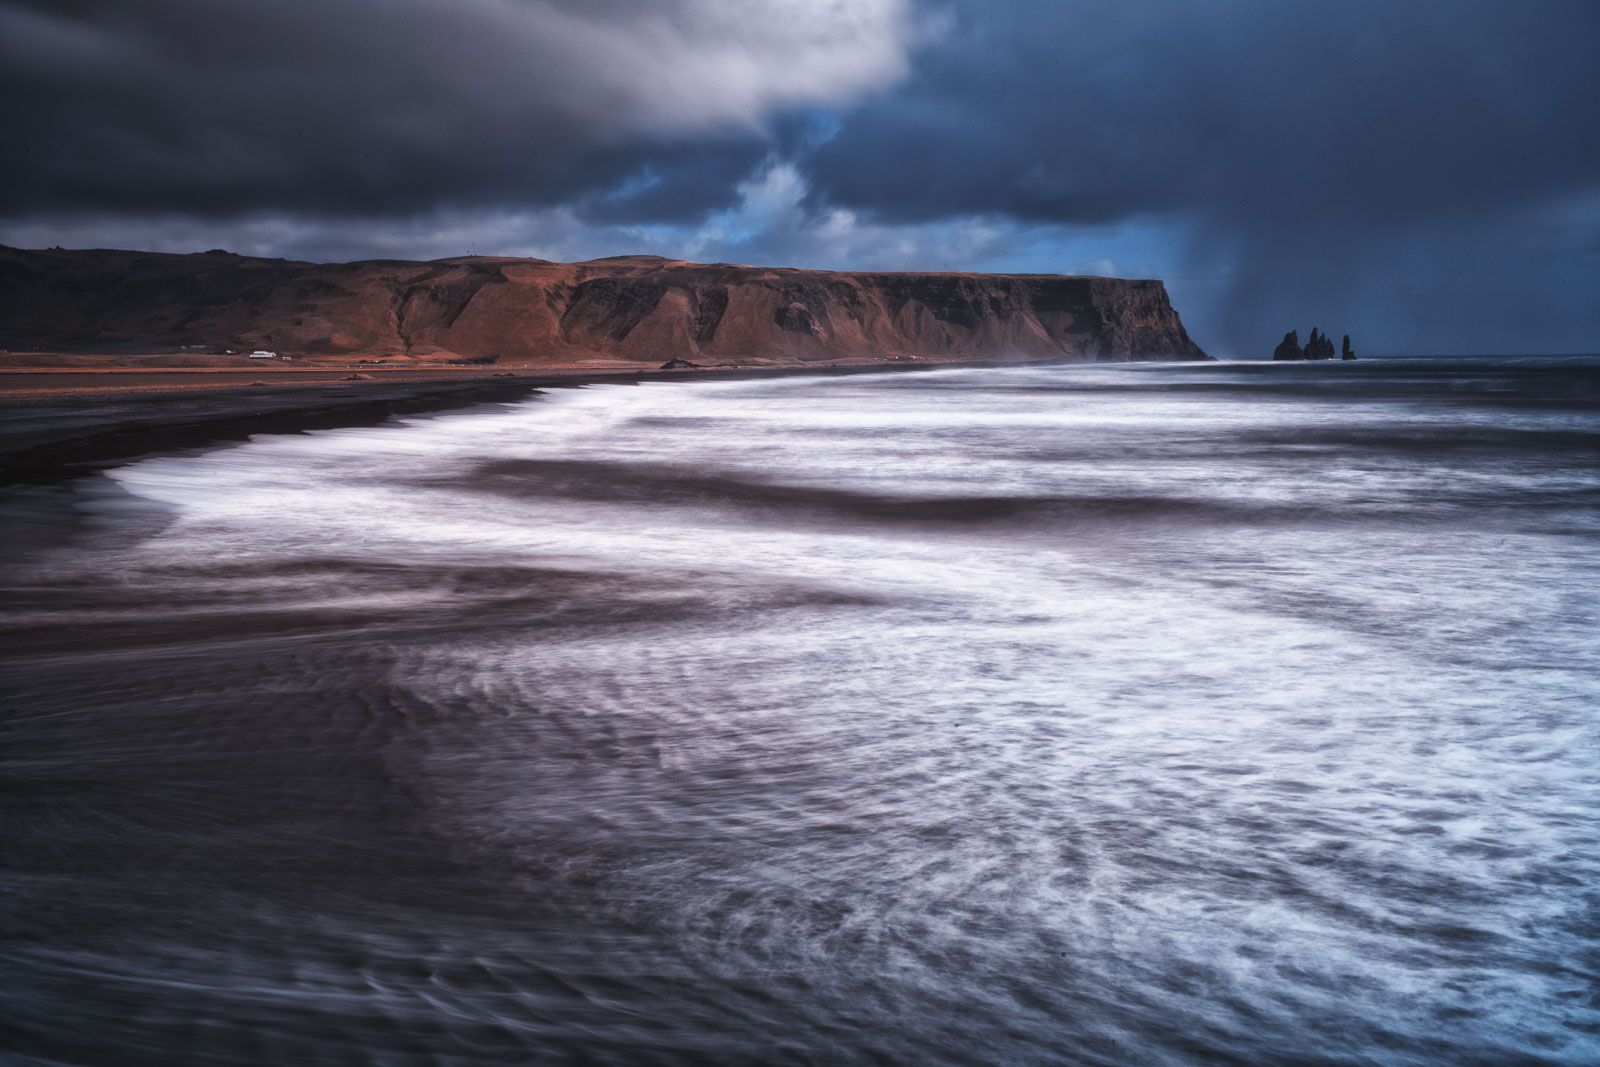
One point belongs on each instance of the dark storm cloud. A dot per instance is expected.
(1302, 148)
(1094, 110)
(383, 106)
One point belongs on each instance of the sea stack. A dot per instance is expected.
(1318, 346)
(1347, 352)
(1289, 347)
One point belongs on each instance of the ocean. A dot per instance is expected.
(1101, 714)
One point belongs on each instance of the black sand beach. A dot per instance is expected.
(61, 437)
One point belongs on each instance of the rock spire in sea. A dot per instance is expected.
(1318, 346)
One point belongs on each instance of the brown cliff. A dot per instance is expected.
(632, 309)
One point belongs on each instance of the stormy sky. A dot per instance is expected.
(1423, 174)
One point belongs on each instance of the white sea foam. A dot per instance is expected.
(1108, 714)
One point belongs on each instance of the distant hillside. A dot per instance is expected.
(639, 309)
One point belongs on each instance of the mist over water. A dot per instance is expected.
(1106, 714)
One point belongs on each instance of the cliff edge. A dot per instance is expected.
(527, 312)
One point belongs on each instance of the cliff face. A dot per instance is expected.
(638, 309)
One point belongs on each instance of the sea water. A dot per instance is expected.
(1094, 714)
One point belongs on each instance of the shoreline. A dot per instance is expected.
(54, 436)
(20, 385)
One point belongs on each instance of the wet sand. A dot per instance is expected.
(46, 383)
(49, 438)
(47, 376)
(58, 423)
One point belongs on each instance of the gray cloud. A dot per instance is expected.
(383, 106)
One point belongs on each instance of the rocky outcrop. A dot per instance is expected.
(1346, 352)
(633, 310)
(1318, 346)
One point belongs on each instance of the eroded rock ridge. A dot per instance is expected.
(640, 309)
